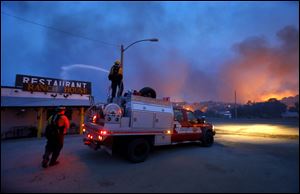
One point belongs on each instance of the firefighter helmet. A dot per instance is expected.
(117, 62)
(60, 108)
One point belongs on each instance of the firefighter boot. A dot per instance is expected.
(45, 163)
(45, 159)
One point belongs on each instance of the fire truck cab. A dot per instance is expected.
(191, 128)
(134, 124)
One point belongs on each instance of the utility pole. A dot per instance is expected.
(235, 108)
(122, 59)
(122, 56)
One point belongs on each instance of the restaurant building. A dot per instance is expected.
(26, 107)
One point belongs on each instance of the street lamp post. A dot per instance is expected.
(123, 50)
(122, 56)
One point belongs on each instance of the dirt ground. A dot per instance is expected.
(235, 163)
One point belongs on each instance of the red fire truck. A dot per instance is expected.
(134, 124)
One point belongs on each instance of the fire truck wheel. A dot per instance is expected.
(208, 139)
(138, 150)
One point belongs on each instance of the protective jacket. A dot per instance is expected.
(115, 74)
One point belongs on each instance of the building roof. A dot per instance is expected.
(7, 101)
(15, 97)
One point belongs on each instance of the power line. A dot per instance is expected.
(56, 29)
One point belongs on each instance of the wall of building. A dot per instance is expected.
(17, 121)
(13, 119)
(75, 120)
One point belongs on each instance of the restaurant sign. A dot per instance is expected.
(44, 84)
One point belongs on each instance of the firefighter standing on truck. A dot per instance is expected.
(55, 131)
(116, 76)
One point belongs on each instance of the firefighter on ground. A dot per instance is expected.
(57, 127)
(116, 77)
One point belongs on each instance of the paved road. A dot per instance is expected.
(235, 163)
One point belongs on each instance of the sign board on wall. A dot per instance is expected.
(45, 84)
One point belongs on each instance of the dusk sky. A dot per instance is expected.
(206, 50)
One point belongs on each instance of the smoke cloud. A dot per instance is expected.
(261, 71)
(258, 71)
(192, 60)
